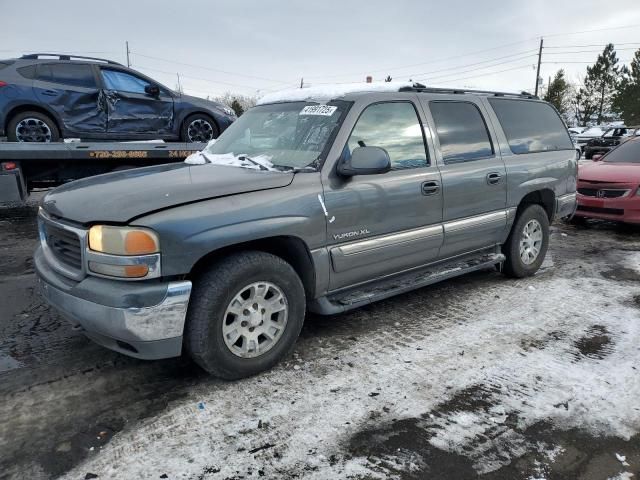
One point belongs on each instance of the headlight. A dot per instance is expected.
(123, 240)
(123, 252)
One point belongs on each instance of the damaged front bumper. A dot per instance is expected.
(140, 320)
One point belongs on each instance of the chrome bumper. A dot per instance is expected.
(150, 332)
(566, 205)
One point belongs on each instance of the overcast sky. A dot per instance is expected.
(244, 46)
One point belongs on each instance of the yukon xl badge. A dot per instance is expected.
(355, 233)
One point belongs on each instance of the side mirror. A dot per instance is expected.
(365, 161)
(152, 90)
(597, 157)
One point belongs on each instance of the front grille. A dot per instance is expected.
(602, 193)
(64, 245)
(608, 211)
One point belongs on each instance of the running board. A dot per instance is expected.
(388, 287)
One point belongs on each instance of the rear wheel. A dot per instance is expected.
(245, 315)
(199, 128)
(527, 244)
(32, 127)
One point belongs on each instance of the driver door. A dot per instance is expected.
(131, 108)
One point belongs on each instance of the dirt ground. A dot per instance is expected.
(478, 377)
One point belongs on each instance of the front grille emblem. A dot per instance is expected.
(600, 194)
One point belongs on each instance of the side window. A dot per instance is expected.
(462, 131)
(74, 74)
(123, 82)
(531, 126)
(395, 127)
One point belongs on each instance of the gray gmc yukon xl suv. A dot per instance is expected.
(317, 201)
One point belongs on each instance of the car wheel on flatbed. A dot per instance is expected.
(199, 128)
(527, 243)
(32, 127)
(245, 314)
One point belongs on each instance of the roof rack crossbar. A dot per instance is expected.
(423, 89)
(36, 56)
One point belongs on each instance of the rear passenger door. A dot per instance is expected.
(71, 90)
(473, 176)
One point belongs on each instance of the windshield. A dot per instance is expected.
(628, 152)
(287, 135)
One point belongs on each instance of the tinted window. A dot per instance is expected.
(394, 127)
(123, 82)
(531, 126)
(462, 132)
(628, 152)
(79, 75)
(27, 72)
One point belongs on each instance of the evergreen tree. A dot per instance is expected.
(600, 85)
(627, 99)
(559, 93)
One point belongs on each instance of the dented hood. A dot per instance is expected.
(121, 196)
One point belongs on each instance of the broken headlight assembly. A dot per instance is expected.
(123, 252)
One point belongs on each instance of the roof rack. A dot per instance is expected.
(35, 56)
(418, 87)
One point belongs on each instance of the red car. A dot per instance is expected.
(608, 188)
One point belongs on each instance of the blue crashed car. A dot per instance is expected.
(48, 97)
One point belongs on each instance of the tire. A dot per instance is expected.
(588, 155)
(213, 293)
(514, 265)
(32, 127)
(198, 128)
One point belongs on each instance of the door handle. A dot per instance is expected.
(50, 93)
(493, 178)
(430, 188)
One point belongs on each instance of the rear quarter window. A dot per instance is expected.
(531, 126)
(27, 72)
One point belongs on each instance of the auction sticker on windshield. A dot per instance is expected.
(324, 110)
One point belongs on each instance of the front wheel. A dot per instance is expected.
(527, 244)
(199, 128)
(245, 315)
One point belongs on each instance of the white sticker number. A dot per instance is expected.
(324, 110)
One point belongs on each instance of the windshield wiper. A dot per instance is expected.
(287, 168)
(249, 159)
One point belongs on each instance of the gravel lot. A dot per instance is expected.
(479, 377)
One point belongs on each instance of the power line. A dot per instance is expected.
(488, 74)
(208, 68)
(592, 45)
(198, 78)
(429, 77)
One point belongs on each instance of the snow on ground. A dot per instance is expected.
(471, 371)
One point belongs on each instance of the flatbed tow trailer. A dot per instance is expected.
(28, 166)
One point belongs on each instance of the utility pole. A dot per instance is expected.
(179, 85)
(128, 52)
(301, 82)
(539, 62)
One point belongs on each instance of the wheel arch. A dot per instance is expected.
(544, 197)
(186, 115)
(291, 249)
(30, 107)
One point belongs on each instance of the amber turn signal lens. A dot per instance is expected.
(135, 271)
(138, 242)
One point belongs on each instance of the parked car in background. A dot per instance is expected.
(322, 199)
(609, 139)
(576, 130)
(47, 97)
(608, 188)
(633, 132)
(588, 134)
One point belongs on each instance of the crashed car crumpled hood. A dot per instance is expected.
(121, 196)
